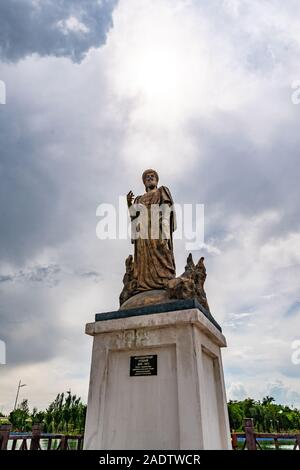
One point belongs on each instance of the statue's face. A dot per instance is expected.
(150, 180)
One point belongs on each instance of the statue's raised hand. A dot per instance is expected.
(130, 198)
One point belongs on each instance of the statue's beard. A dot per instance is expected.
(151, 186)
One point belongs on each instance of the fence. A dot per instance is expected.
(251, 438)
(35, 439)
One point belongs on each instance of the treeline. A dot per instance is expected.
(267, 415)
(66, 415)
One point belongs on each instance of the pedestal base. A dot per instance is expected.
(157, 383)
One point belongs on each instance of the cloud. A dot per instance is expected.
(68, 28)
(200, 91)
(43, 274)
(294, 309)
(236, 391)
(282, 393)
(92, 275)
(4, 278)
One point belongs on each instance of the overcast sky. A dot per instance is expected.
(97, 91)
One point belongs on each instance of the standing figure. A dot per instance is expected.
(153, 223)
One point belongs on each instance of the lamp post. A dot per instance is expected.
(18, 390)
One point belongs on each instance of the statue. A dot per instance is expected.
(152, 271)
(191, 283)
(129, 282)
(154, 262)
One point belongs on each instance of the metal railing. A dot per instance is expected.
(37, 440)
(252, 440)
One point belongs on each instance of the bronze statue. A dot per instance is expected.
(190, 285)
(154, 262)
(151, 273)
(129, 282)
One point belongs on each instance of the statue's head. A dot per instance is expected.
(150, 179)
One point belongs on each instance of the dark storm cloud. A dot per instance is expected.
(6, 278)
(26, 188)
(62, 28)
(49, 186)
(29, 315)
(95, 276)
(48, 275)
(52, 169)
(42, 273)
(36, 345)
(238, 178)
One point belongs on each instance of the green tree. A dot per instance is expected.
(20, 417)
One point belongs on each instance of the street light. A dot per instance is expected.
(18, 390)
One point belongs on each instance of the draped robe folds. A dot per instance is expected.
(154, 262)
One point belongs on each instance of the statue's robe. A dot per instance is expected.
(154, 262)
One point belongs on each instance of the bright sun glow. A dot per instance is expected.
(165, 67)
(159, 73)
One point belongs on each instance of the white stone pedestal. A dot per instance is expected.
(182, 407)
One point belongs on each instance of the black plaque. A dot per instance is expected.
(143, 365)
